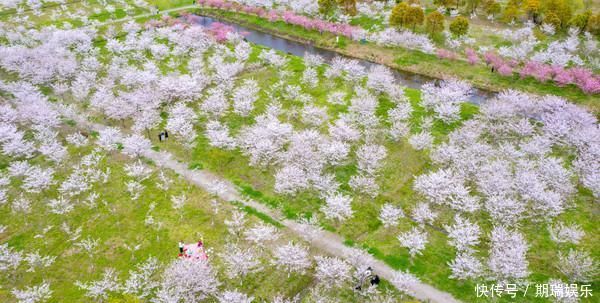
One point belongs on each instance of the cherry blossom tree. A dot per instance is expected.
(291, 258)
(364, 184)
(234, 297)
(21, 205)
(239, 262)
(507, 260)
(135, 145)
(187, 280)
(446, 187)
(261, 233)
(362, 109)
(578, 266)
(142, 281)
(310, 77)
(313, 60)
(181, 122)
(338, 207)
(9, 258)
(398, 118)
(404, 281)
(38, 179)
(369, 158)
(390, 214)
(218, 135)
(314, 115)
(465, 266)
(236, 223)
(415, 240)
(33, 294)
(265, 139)
(445, 99)
(421, 141)
(332, 272)
(380, 78)
(100, 290)
(35, 260)
(215, 105)
(135, 189)
(561, 233)
(244, 97)
(463, 234)
(342, 130)
(108, 138)
(423, 214)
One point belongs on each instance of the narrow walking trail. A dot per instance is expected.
(325, 241)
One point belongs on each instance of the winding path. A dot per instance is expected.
(326, 241)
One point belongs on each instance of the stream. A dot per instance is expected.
(406, 79)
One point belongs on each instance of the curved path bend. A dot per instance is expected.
(326, 241)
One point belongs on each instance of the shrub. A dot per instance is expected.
(446, 54)
(580, 21)
(552, 18)
(505, 70)
(472, 56)
(415, 16)
(399, 14)
(511, 12)
(434, 22)
(460, 26)
(492, 8)
(593, 25)
(326, 7)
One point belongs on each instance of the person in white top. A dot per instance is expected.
(181, 245)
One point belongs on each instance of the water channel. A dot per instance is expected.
(299, 49)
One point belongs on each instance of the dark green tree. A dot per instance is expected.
(415, 16)
(399, 14)
(349, 6)
(580, 21)
(327, 7)
(459, 26)
(434, 22)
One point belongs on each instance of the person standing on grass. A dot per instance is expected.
(375, 280)
(166, 134)
(181, 245)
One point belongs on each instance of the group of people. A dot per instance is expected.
(192, 250)
(367, 275)
(164, 135)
